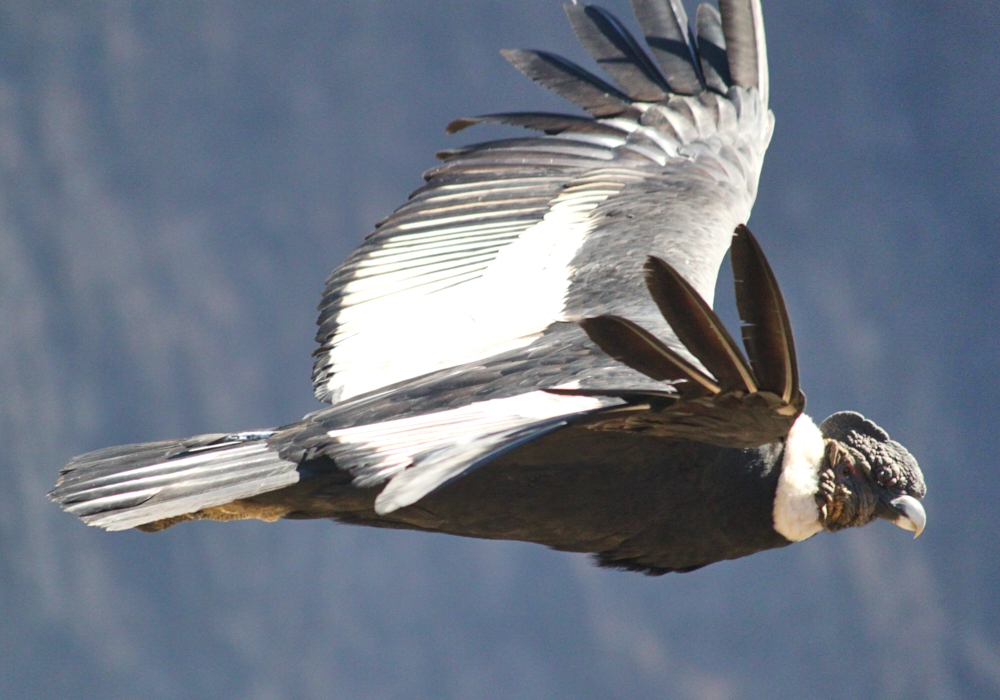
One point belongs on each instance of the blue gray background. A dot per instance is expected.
(177, 179)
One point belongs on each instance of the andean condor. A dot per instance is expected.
(524, 349)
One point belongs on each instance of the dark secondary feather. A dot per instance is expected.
(636, 347)
(616, 51)
(665, 27)
(697, 326)
(767, 332)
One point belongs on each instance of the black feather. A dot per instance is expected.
(767, 332)
(642, 351)
(654, 400)
(616, 51)
(697, 327)
(665, 26)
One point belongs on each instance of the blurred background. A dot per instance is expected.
(176, 181)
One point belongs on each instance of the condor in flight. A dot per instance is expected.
(526, 349)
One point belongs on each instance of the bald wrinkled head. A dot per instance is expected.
(867, 475)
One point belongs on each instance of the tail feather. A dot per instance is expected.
(124, 487)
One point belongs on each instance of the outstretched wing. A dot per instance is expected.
(509, 239)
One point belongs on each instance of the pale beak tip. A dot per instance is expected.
(912, 515)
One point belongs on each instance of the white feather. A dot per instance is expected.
(420, 453)
(442, 308)
(253, 468)
(796, 515)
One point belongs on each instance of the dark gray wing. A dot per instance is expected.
(570, 81)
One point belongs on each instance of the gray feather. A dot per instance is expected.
(712, 49)
(133, 485)
(540, 121)
(570, 81)
(616, 51)
(741, 24)
(665, 26)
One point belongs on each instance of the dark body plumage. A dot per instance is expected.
(635, 501)
(526, 349)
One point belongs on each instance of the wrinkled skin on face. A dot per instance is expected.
(866, 475)
(846, 496)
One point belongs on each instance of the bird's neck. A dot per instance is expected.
(796, 514)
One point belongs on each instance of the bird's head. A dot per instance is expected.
(865, 475)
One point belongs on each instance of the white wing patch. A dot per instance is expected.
(420, 453)
(460, 288)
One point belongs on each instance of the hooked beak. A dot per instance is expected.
(910, 514)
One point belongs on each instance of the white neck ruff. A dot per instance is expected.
(796, 515)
